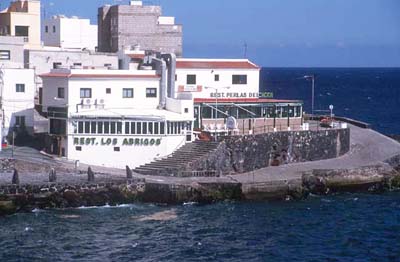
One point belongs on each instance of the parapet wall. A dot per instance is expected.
(240, 154)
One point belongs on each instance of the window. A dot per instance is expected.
(108, 90)
(186, 110)
(176, 77)
(191, 79)
(46, 28)
(61, 92)
(151, 92)
(127, 128)
(54, 28)
(117, 149)
(139, 128)
(93, 128)
(239, 79)
(86, 93)
(162, 128)
(80, 127)
(106, 127)
(20, 88)
(119, 128)
(87, 127)
(100, 127)
(77, 64)
(57, 126)
(107, 65)
(78, 148)
(216, 78)
(133, 128)
(112, 124)
(127, 93)
(20, 121)
(150, 128)
(156, 128)
(5, 55)
(57, 65)
(144, 128)
(21, 30)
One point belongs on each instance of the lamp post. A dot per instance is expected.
(312, 77)
(216, 108)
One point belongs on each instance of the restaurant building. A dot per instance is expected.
(113, 118)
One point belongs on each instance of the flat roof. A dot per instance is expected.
(132, 113)
(215, 64)
(245, 100)
(88, 75)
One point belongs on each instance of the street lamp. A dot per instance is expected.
(216, 107)
(331, 108)
(312, 77)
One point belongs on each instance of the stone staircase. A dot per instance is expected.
(176, 164)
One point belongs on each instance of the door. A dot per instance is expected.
(197, 117)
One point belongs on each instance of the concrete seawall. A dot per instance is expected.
(241, 154)
(372, 164)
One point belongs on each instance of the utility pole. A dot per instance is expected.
(1, 107)
(312, 77)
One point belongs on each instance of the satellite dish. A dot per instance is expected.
(231, 123)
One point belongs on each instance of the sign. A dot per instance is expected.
(93, 141)
(242, 95)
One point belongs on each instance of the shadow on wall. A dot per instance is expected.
(20, 123)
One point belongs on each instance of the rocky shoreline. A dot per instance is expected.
(371, 165)
(25, 198)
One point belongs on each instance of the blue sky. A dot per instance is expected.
(278, 33)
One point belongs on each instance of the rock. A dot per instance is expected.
(72, 198)
(52, 176)
(15, 178)
(129, 174)
(7, 208)
(90, 175)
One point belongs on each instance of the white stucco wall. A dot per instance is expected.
(98, 152)
(205, 78)
(18, 103)
(69, 33)
(133, 155)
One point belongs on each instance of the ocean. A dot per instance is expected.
(371, 95)
(343, 227)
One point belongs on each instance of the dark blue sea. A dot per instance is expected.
(368, 94)
(344, 227)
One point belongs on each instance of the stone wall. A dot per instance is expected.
(240, 154)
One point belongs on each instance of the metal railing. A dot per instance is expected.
(198, 174)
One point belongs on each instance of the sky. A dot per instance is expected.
(278, 33)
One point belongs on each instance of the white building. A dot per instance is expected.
(69, 33)
(233, 78)
(114, 118)
(224, 88)
(17, 90)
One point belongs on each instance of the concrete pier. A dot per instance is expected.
(372, 164)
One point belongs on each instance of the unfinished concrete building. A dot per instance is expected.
(120, 26)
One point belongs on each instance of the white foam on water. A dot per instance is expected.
(159, 216)
(107, 206)
(190, 203)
